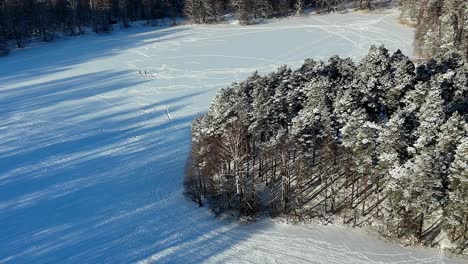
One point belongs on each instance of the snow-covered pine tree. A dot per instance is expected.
(330, 5)
(4, 50)
(394, 138)
(363, 4)
(203, 11)
(449, 137)
(261, 8)
(403, 79)
(243, 9)
(420, 179)
(123, 7)
(374, 83)
(75, 20)
(456, 213)
(454, 27)
(101, 15)
(308, 131)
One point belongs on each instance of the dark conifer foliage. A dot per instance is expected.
(22, 19)
(381, 142)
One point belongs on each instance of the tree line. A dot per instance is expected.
(382, 142)
(209, 11)
(22, 19)
(441, 25)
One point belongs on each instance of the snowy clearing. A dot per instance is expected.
(94, 133)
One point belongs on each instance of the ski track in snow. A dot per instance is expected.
(92, 153)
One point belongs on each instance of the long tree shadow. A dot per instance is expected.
(47, 94)
(90, 175)
(58, 56)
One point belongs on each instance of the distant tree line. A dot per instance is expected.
(382, 142)
(208, 11)
(442, 25)
(22, 19)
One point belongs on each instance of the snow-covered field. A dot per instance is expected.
(92, 153)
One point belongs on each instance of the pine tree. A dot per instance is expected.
(75, 20)
(393, 141)
(375, 83)
(330, 5)
(261, 8)
(431, 117)
(457, 209)
(449, 137)
(101, 15)
(203, 11)
(420, 178)
(363, 4)
(243, 9)
(454, 25)
(403, 79)
(123, 7)
(4, 50)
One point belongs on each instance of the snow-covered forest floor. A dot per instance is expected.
(92, 153)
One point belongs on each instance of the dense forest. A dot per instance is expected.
(382, 142)
(22, 19)
(441, 25)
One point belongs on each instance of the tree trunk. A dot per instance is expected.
(420, 231)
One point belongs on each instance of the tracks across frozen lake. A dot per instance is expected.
(92, 151)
